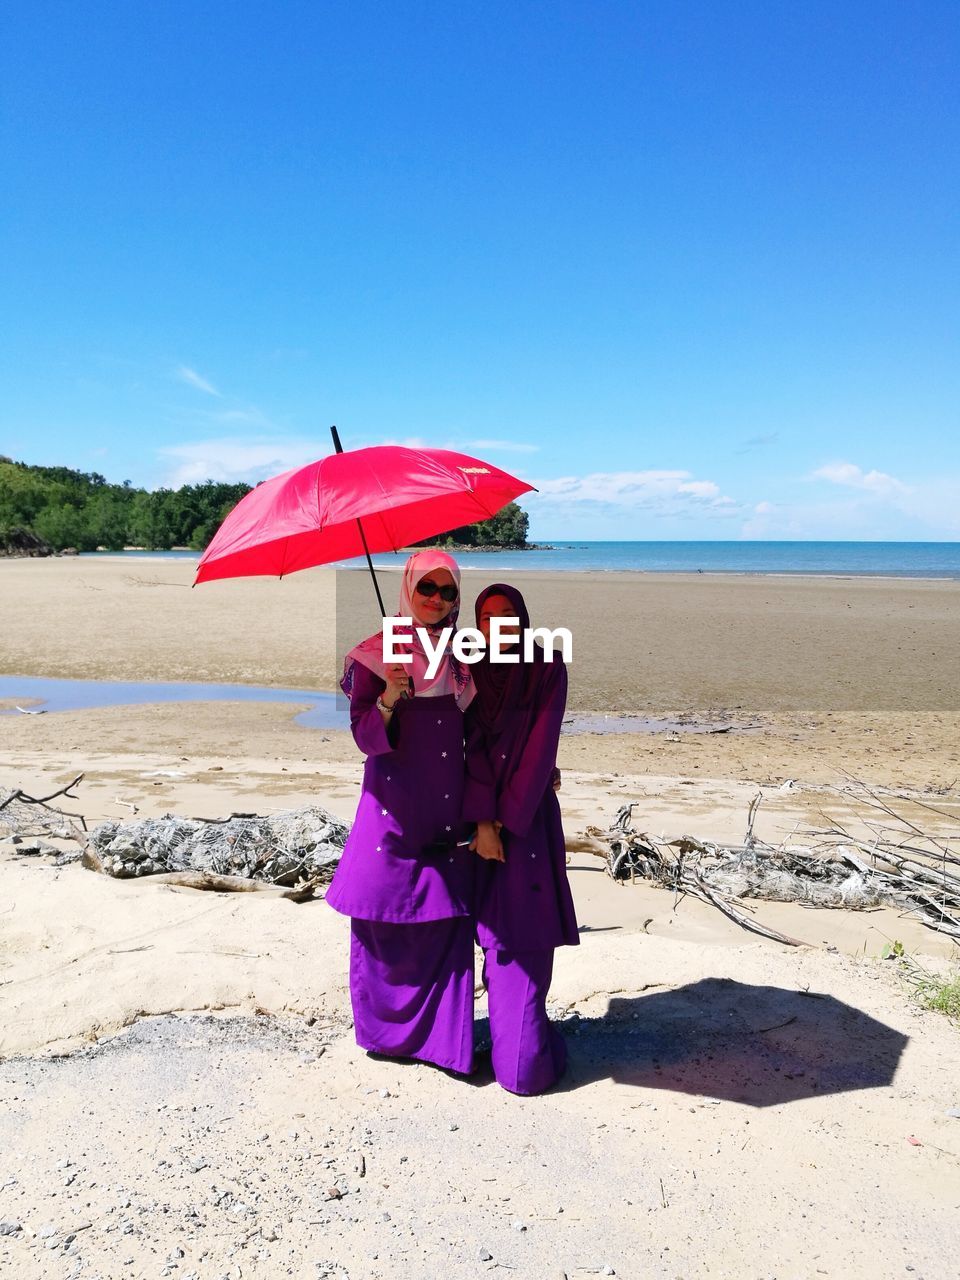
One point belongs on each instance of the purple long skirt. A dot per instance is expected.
(529, 1054)
(411, 986)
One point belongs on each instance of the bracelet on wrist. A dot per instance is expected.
(383, 706)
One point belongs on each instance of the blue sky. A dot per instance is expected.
(690, 268)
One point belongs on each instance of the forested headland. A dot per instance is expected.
(57, 508)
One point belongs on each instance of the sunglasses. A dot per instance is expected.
(428, 588)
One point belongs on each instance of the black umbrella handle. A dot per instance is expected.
(363, 538)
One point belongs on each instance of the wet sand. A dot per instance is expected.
(643, 643)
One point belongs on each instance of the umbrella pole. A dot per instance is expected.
(363, 538)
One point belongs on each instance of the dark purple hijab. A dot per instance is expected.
(502, 687)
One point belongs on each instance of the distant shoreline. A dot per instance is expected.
(691, 559)
(531, 570)
(465, 547)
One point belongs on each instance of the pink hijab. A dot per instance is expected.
(452, 676)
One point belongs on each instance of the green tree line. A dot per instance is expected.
(508, 528)
(82, 509)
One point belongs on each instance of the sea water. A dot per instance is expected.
(856, 559)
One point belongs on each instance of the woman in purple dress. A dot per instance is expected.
(403, 879)
(524, 907)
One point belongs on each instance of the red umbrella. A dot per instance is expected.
(313, 515)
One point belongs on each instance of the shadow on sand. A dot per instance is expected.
(724, 1039)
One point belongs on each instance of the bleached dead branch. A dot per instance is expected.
(899, 865)
(289, 853)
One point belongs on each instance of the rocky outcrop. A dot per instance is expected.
(18, 541)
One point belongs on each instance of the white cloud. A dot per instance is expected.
(193, 379)
(700, 488)
(935, 505)
(405, 442)
(253, 458)
(851, 476)
(864, 505)
(659, 493)
(232, 460)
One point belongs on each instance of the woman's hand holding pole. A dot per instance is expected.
(398, 686)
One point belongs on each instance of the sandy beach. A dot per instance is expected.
(179, 1072)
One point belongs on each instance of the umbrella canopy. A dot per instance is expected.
(313, 515)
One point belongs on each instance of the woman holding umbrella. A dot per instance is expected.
(408, 893)
(524, 907)
(403, 879)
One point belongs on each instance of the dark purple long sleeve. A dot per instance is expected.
(520, 798)
(479, 784)
(525, 903)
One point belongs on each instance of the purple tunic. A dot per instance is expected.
(524, 903)
(412, 795)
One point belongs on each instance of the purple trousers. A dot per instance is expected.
(529, 1054)
(411, 986)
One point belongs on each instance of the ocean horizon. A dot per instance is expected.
(824, 559)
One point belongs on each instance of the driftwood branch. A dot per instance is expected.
(287, 854)
(232, 884)
(23, 813)
(899, 864)
(722, 904)
(43, 801)
(210, 880)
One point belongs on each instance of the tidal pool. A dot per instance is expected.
(324, 710)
